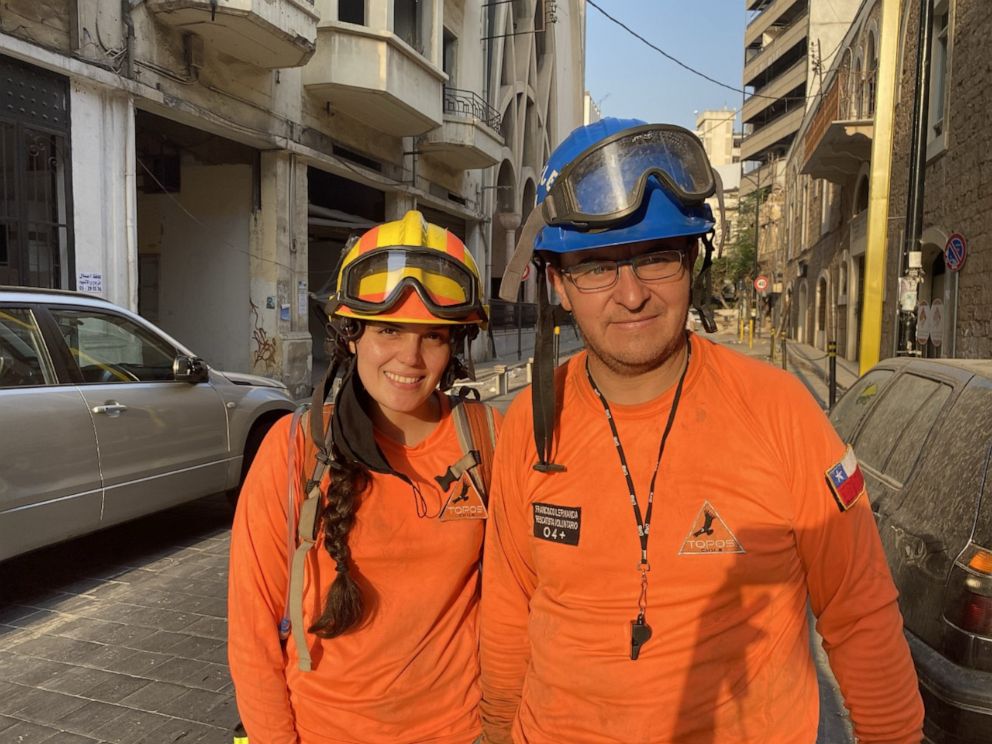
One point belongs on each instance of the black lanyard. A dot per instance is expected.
(640, 630)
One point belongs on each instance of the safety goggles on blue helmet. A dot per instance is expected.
(605, 184)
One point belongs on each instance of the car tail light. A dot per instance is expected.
(968, 596)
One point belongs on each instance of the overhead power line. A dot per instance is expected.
(692, 69)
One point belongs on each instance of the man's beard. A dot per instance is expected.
(625, 366)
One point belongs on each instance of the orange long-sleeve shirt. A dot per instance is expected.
(744, 530)
(410, 672)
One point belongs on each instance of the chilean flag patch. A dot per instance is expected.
(846, 482)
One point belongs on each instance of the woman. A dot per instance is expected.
(389, 595)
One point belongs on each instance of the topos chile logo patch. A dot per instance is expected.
(710, 534)
(464, 502)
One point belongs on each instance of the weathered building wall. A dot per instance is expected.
(958, 180)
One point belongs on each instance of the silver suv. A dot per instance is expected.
(104, 418)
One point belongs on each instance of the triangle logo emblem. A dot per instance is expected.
(710, 534)
(465, 502)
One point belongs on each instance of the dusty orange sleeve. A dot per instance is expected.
(256, 595)
(852, 593)
(508, 580)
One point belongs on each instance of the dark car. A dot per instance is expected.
(104, 418)
(922, 431)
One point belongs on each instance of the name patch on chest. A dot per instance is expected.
(559, 524)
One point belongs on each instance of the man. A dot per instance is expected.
(647, 569)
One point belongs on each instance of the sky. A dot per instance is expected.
(628, 79)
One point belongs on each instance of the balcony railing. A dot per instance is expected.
(469, 103)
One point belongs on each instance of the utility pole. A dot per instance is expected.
(878, 203)
(912, 255)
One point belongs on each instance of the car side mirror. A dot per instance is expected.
(190, 369)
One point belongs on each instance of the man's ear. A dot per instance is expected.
(558, 282)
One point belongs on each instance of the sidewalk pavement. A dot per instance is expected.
(809, 364)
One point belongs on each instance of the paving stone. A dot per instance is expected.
(11, 613)
(23, 732)
(199, 647)
(161, 641)
(10, 696)
(45, 707)
(179, 670)
(185, 732)
(116, 687)
(131, 726)
(29, 671)
(6, 722)
(75, 681)
(211, 627)
(88, 718)
(160, 619)
(56, 648)
(111, 658)
(136, 663)
(194, 705)
(64, 737)
(153, 696)
(210, 606)
(102, 631)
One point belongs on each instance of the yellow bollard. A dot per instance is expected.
(750, 333)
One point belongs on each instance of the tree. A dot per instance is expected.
(737, 261)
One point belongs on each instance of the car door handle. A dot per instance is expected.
(111, 408)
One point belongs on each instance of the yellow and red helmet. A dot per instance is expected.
(409, 271)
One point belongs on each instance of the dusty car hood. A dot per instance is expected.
(242, 378)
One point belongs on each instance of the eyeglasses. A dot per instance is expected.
(658, 266)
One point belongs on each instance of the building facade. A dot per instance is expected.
(203, 162)
(827, 192)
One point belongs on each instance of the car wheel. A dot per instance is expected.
(258, 431)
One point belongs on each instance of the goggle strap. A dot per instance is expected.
(522, 255)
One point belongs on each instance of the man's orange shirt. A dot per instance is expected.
(410, 672)
(744, 530)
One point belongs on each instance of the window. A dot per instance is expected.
(112, 348)
(449, 57)
(939, 68)
(351, 11)
(407, 22)
(891, 440)
(849, 409)
(871, 77)
(35, 230)
(23, 357)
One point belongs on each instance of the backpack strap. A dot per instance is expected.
(475, 427)
(285, 623)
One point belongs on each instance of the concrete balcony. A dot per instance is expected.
(376, 78)
(764, 21)
(266, 33)
(769, 94)
(768, 56)
(841, 150)
(469, 137)
(761, 139)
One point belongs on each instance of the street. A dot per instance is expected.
(120, 636)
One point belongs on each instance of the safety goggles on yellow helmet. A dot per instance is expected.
(375, 282)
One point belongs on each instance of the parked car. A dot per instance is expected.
(104, 418)
(922, 431)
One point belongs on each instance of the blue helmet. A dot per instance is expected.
(661, 213)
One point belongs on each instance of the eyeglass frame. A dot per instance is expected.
(632, 263)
